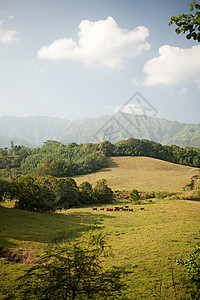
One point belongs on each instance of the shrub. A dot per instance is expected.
(134, 195)
(192, 267)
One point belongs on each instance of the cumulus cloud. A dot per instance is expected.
(174, 65)
(102, 43)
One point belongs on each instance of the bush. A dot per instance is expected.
(134, 195)
(192, 267)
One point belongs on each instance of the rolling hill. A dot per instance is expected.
(142, 173)
(33, 131)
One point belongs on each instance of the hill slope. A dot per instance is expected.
(143, 173)
(35, 130)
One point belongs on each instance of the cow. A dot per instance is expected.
(102, 208)
(141, 208)
(117, 208)
(94, 208)
(130, 209)
(109, 209)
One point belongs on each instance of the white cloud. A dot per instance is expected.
(8, 36)
(197, 81)
(182, 91)
(102, 43)
(174, 65)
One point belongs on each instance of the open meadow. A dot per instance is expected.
(145, 242)
(142, 173)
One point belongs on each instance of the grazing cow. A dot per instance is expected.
(94, 208)
(126, 206)
(109, 209)
(117, 208)
(141, 208)
(124, 209)
(102, 208)
(130, 209)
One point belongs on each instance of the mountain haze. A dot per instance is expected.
(33, 131)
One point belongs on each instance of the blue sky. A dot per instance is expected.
(85, 58)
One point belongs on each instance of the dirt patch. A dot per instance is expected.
(20, 256)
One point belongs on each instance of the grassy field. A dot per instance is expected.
(142, 173)
(144, 242)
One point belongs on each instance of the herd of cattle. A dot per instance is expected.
(117, 208)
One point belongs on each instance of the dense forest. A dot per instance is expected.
(59, 160)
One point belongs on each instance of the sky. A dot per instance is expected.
(76, 59)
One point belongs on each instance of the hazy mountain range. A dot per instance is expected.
(33, 131)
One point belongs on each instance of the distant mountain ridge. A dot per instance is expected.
(33, 131)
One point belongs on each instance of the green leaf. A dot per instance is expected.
(188, 36)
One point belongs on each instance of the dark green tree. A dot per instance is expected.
(102, 193)
(188, 23)
(85, 193)
(35, 193)
(6, 190)
(73, 272)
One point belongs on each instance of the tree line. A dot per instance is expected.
(59, 160)
(189, 156)
(47, 193)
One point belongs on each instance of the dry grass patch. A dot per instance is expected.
(142, 173)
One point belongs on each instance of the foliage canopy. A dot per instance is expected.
(188, 23)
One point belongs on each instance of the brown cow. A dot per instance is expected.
(109, 209)
(102, 208)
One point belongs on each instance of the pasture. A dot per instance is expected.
(142, 173)
(144, 242)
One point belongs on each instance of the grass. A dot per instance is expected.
(145, 242)
(142, 173)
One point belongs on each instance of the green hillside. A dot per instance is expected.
(35, 130)
(143, 173)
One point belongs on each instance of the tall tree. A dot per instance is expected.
(188, 23)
